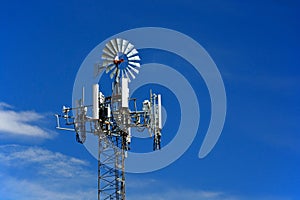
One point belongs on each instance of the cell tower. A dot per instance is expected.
(112, 119)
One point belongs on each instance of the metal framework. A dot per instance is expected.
(112, 120)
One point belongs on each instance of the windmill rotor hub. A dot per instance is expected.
(118, 62)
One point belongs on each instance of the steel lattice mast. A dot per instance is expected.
(112, 119)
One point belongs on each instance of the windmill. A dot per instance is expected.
(121, 59)
(112, 119)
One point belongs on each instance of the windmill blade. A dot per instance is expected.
(128, 48)
(115, 50)
(127, 75)
(105, 63)
(132, 53)
(108, 69)
(108, 65)
(124, 45)
(134, 58)
(113, 73)
(135, 64)
(115, 45)
(107, 52)
(133, 69)
(119, 44)
(131, 74)
(97, 69)
(106, 57)
(118, 75)
(111, 48)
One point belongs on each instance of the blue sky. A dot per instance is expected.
(255, 46)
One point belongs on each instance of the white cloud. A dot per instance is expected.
(13, 188)
(33, 173)
(46, 162)
(149, 189)
(20, 123)
(5, 105)
(28, 173)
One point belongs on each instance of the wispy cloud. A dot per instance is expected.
(149, 189)
(37, 173)
(13, 188)
(165, 192)
(20, 123)
(28, 173)
(184, 193)
(44, 161)
(5, 105)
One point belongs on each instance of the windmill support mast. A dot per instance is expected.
(112, 120)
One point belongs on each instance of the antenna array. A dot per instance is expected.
(112, 119)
